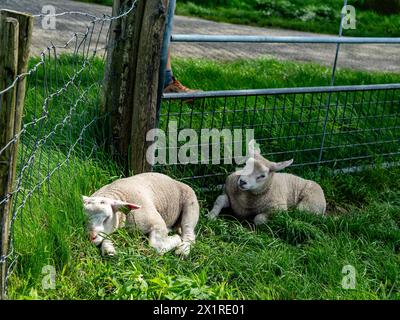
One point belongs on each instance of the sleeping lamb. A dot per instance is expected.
(257, 190)
(157, 203)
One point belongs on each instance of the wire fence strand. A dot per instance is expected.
(62, 121)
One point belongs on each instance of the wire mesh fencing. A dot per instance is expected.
(62, 122)
(343, 128)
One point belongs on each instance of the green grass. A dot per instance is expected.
(310, 15)
(304, 15)
(103, 2)
(268, 73)
(295, 256)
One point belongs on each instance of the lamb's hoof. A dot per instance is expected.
(260, 219)
(108, 251)
(212, 215)
(169, 244)
(183, 249)
(161, 251)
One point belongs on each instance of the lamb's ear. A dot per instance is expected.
(253, 148)
(248, 169)
(277, 166)
(117, 204)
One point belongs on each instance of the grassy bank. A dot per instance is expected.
(309, 15)
(295, 256)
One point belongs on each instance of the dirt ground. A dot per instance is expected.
(361, 57)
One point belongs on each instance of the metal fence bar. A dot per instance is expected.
(338, 46)
(285, 39)
(321, 149)
(277, 91)
(165, 49)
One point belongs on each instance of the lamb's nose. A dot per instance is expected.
(242, 183)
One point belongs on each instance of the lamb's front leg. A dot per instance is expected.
(260, 219)
(107, 248)
(221, 202)
(159, 239)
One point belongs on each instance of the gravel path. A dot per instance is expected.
(361, 57)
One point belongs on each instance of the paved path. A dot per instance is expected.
(361, 57)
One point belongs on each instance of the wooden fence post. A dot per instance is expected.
(132, 78)
(15, 38)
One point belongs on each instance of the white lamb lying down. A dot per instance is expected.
(257, 190)
(156, 202)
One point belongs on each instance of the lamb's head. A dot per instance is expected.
(255, 175)
(103, 216)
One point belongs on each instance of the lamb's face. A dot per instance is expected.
(102, 216)
(253, 176)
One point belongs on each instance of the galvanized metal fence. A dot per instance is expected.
(340, 127)
(344, 128)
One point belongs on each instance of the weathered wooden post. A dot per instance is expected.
(15, 39)
(131, 92)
